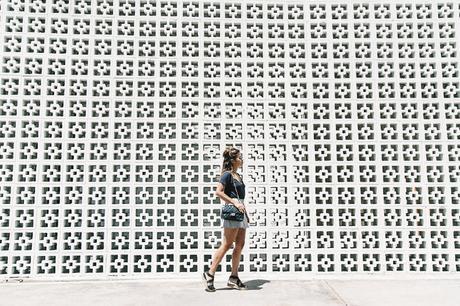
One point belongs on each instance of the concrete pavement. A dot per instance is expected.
(263, 292)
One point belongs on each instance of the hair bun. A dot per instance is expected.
(226, 153)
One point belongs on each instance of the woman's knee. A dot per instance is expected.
(239, 245)
(227, 244)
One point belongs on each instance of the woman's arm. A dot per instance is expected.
(221, 194)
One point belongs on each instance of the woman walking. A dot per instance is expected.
(231, 189)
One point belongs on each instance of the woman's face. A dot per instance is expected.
(238, 162)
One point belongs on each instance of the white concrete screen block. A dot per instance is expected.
(114, 116)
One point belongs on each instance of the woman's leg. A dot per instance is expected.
(229, 237)
(239, 244)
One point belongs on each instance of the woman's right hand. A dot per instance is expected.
(238, 204)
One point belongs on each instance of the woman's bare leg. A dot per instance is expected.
(239, 244)
(229, 237)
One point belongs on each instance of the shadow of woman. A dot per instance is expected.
(255, 284)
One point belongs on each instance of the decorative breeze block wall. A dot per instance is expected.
(114, 116)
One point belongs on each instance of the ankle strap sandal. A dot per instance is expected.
(235, 282)
(209, 282)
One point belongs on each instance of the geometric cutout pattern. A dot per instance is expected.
(114, 116)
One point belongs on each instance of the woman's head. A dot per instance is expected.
(233, 159)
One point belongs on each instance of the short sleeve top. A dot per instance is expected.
(227, 180)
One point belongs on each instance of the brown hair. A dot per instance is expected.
(230, 154)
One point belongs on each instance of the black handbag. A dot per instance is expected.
(230, 211)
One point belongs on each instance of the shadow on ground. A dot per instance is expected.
(255, 284)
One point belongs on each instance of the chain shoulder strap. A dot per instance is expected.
(238, 196)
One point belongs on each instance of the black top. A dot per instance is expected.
(227, 180)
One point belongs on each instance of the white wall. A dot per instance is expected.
(113, 118)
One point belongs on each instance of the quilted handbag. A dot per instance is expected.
(230, 211)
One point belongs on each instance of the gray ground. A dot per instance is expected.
(264, 292)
